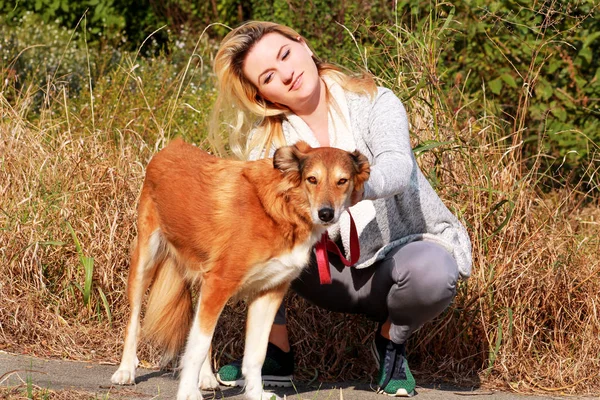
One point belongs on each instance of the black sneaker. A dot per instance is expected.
(277, 370)
(395, 378)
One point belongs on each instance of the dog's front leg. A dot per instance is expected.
(212, 299)
(207, 380)
(261, 313)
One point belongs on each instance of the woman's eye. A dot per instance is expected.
(342, 181)
(312, 180)
(285, 55)
(268, 78)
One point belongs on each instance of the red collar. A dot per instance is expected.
(325, 244)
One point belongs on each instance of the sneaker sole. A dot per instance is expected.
(268, 380)
(399, 393)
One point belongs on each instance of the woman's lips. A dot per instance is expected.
(297, 82)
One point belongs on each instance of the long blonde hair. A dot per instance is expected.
(240, 109)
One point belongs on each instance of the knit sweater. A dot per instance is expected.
(399, 205)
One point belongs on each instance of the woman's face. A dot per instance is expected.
(283, 71)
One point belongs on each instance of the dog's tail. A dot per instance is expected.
(169, 310)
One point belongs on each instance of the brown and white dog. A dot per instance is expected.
(232, 228)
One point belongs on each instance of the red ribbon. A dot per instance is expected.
(325, 244)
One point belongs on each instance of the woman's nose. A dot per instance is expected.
(287, 76)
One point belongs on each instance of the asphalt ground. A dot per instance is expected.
(92, 381)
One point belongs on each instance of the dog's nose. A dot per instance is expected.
(326, 214)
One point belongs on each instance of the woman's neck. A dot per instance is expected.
(316, 115)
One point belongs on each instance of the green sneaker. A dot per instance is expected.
(395, 378)
(277, 370)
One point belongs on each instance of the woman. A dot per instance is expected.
(273, 91)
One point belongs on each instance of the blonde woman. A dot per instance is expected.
(274, 91)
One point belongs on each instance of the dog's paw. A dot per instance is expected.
(123, 377)
(207, 382)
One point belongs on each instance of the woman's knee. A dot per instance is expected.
(425, 270)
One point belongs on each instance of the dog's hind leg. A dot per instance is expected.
(214, 293)
(261, 313)
(145, 257)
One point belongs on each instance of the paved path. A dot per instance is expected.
(94, 379)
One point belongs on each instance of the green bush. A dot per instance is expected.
(535, 65)
(106, 21)
(46, 63)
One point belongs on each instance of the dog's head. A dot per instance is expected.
(328, 176)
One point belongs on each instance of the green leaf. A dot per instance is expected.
(544, 89)
(51, 243)
(449, 19)
(590, 38)
(553, 65)
(493, 352)
(88, 267)
(538, 111)
(428, 145)
(74, 236)
(510, 81)
(495, 85)
(559, 113)
(106, 305)
(586, 54)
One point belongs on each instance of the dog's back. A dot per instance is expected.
(209, 209)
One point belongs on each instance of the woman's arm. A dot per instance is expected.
(388, 140)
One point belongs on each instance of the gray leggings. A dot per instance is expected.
(411, 286)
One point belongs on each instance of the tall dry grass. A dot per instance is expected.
(526, 320)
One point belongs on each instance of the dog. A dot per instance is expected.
(234, 229)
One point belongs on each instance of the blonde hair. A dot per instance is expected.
(240, 109)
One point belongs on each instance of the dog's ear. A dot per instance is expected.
(289, 159)
(362, 169)
(303, 147)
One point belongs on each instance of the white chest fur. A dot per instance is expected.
(283, 268)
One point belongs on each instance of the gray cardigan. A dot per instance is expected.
(400, 205)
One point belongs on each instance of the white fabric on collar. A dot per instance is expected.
(338, 126)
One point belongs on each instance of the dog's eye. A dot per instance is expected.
(342, 181)
(312, 180)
